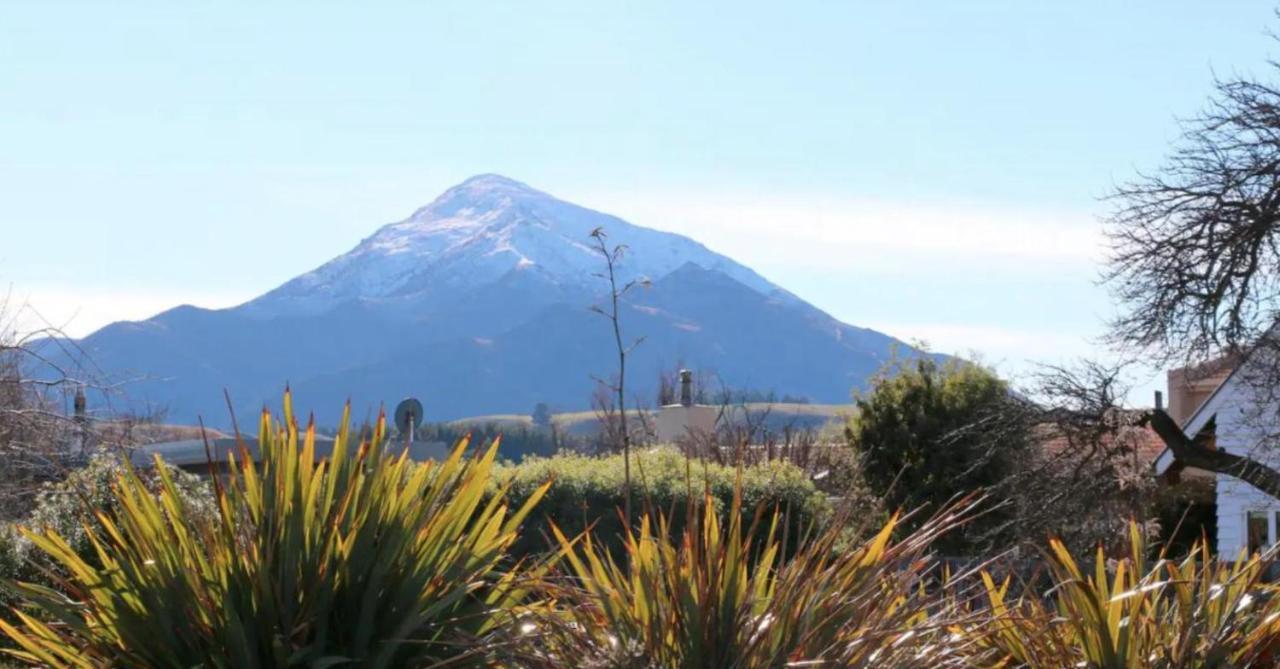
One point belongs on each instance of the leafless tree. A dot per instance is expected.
(1089, 474)
(40, 439)
(604, 405)
(1195, 261)
(1056, 455)
(742, 426)
(747, 433)
(47, 427)
(669, 384)
(646, 431)
(618, 289)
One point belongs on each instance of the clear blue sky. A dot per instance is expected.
(930, 168)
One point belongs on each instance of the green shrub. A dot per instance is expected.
(12, 563)
(588, 491)
(928, 432)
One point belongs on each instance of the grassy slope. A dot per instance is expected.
(584, 422)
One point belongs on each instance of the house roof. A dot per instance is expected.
(1146, 444)
(191, 453)
(1163, 462)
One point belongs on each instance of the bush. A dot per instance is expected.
(1196, 611)
(12, 563)
(703, 598)
(1187, 512)
(588, 491)
(928, 432)
(372, 560)
(367, 560)
(64, 506)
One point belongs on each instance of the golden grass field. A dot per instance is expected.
(584, 422)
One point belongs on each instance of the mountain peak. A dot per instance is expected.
(487, 188)
(481, 192)
(491, 181)
(473, 235)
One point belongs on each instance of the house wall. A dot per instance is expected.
(677, 422)
(1237, 433)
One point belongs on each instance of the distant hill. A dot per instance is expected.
(585, 423)
(478, 304)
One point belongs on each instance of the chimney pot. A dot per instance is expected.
(1159, 401)
(686, 387)
(80, 404)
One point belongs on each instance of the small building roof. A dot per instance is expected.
(193, 453)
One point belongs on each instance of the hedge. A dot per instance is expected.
(590, 489)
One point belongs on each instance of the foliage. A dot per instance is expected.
(929, 432)
(1193, 612)
(372, 560)
(541, 415)
(587, 492)
(13, 563)
(1187, 514)
(366, 559)
(517, 441)
(61, 507)
(704, 597)
(64, 506)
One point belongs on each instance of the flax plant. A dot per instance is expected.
(1194, 612)
(361, 559)
(722, 596)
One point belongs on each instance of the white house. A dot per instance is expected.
(1218, 408)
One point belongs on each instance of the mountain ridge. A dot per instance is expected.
(478, 303)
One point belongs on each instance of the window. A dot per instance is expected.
(1258, 532)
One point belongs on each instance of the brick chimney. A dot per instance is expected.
(1189, 387)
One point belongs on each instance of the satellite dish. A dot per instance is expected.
(408, 415)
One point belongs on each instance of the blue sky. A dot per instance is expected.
(930, 168)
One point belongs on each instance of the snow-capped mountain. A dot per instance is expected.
(475, 234)
(478, 303)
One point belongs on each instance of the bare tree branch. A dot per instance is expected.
(1195, 261)
(620, 431)
(1192, 453)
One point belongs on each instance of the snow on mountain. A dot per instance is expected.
(476, 233)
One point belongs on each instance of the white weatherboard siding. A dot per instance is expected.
(1235, 500)
(1233, 409)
